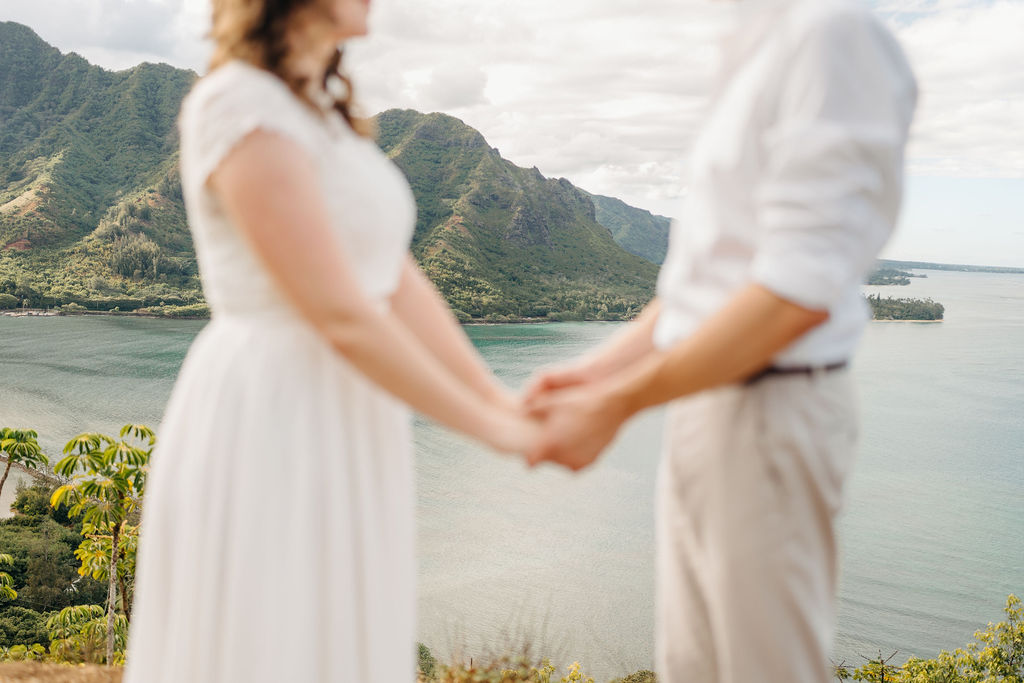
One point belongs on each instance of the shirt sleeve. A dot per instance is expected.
(832, 185)
(228, 105)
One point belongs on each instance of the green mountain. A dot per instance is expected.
(500, 239)
(90, 203)
(637, 231)
(91, 212)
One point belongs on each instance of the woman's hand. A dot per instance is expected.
(512, 431)
(577, 426)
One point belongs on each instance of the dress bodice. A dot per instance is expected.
(369, 203)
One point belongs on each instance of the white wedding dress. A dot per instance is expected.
(278, 521)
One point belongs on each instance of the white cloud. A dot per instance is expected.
(598, 91)
(607, 93)
(968, 60)
(455, 85)
(114, 33)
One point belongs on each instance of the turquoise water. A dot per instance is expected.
(931, 534)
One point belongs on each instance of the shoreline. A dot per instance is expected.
(907, 320)
(40, 313)
(43, 313)
(50, 313)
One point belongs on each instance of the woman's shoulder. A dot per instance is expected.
(228, 104)
(237, 88)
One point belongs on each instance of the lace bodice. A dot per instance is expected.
(369, 202)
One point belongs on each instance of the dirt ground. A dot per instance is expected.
(36, 672)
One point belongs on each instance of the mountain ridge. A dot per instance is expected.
(91, 211)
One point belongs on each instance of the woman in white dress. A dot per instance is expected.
(277, 535)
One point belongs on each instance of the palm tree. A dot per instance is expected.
(21, 446)
(108, 478)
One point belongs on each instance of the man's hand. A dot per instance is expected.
(577, 425)
(556, 378)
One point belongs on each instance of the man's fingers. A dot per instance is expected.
(551, 380)
(539, 385)
(538, 454)
(538, 406)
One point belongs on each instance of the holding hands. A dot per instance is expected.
(568, 414)
(559, 418)
(576, 422)
(576, 409)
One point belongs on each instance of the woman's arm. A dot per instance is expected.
(419, 306)
(270, 190)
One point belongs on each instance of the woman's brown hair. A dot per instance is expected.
(256, 31)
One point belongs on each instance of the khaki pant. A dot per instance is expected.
(749, 486)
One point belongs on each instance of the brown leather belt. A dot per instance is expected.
(795, 370)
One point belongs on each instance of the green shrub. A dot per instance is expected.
(34, 501)
(19, 625)
(426, 662)
(643, 676)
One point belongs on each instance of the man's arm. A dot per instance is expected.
(628, 345)
(739, 340)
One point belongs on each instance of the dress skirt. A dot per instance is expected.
(277, 535)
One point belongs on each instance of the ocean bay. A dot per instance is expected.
(930, 535)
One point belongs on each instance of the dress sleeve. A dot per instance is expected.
(830, 195)
(228, 105)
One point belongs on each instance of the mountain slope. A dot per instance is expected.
(500, 239)
(637, 231)
(91, 209)
(90, 203)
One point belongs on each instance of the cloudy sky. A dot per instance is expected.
(609, 93)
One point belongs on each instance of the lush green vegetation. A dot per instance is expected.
(995, 656)
(904, 309)
(891, 276)
(92, 217)
(56, 564)
(638, 677)
(502, 670)
(90, 202)
(106, 480)
(503, 242)
(635, 230)
(41, 542)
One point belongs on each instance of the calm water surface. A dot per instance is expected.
(931, 534)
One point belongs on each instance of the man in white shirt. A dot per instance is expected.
(796, 182)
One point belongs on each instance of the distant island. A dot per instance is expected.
(891, 276)
(920, 310)
(904, 309)
(924, 265)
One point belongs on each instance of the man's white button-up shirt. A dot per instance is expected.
(796, 178)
